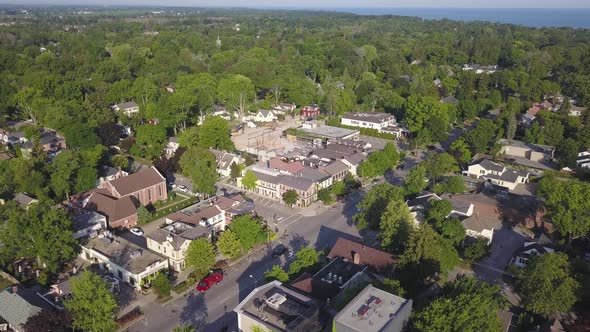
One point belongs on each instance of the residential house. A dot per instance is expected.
(336, 169)
(52, 141)
(171, 146)
(88, 223)
(525, 153)
(221, 112)
(497, 174)
(224, 161)
(529, 250)
(119, 212)
(371, 120)
(233, 206)
(24, 200)
(577, 110)
(284, 108)
(361, 254)
(108, 173)
(420, 204)
(274, 307)
(374, 309)
(310, 111)
(18, 304)
(9, 137)
(450, 100)
(125, 260)
(61, 290)
(583, 159)
(172, 241)
(265, 116)
(350, 156)
(480, 69)
(531, 114)
(128, 108)
(146, 186)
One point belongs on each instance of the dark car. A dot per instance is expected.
(279, 250)
(213, 278)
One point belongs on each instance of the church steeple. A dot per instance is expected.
(218, 41)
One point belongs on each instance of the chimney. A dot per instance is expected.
(14, 289)
(119, 172)
(356, 258)
(364, 247)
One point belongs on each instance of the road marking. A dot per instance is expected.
(285, 220)
(287, 225)
(269, 202)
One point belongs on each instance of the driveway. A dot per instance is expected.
(505, 243)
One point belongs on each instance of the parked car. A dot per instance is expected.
(279, 250)
(136, 231)
(213, 278)
(183, 188)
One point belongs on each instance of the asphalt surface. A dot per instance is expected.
(212, 311)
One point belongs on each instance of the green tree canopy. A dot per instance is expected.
(215, 133)
(305, 258)
(200, 256)
(92, 304)
(290, 197)
(374, 203)
(229, 244)
(247, 229)
(199, 164)
(547, 285)
(276, 273)
(396, 223)
(249, 180)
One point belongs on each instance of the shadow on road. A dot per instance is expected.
(195, 311)
(226, 323)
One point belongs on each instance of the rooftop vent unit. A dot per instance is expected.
(276, 300)
(135, 254)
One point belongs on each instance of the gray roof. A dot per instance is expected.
(330, 132)
(85, 220)
(450, 99)
(313, 175)
(265, 113)
(372, 117)
(356, 158)
(129, 104)
(23, 199)
(16, 308)
(109, 171)
(299, 183)
(336, 167)
(512, 176)
(491, 166)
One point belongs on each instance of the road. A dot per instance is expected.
(213, 310)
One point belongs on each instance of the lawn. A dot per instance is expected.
(4, 283)
(178, 203)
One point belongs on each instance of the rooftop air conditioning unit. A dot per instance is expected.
(276, 300)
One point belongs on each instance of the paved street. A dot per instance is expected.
(213, 310)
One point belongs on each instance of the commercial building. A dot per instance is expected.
(371, 120)
(374, 310)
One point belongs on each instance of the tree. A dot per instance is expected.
(186, 328)
(236, 92)
(120, 161)
(215, 133)
(552, 132)
(277, 273)
(416, 181)
(460, 150)
(199, 164)
(567, 205)
(306, 257)
(144, 215)
(480, 137)
(547, 285)
(511, 126)
(464, 305)
(453, 230)
(189, 137)
(566, 153)
(395, 225)
(150, 140)
(392, 286)
(109, 133)
(325, 196)
(200, 255)
(229, 244)
(338, 188)
(453, 185)
(49, 320)
(427, 246)
(290, 197)
(249, 180)
(438, 212)
(39, 231)
(247, 230)
(92, 304)
(440, 164)
(373, 204)
(235, 170)
(63, 173)
(476, 250)
(161, 284)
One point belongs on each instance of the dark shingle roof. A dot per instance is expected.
(371, 257)
(137, 181)
(491, 166)
(16, 308)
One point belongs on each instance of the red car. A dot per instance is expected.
(213, 278)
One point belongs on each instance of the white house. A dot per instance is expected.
(420, 204)
(265, 116)
(285, 108)
(125, 260)
(224, 161)
(173, 240)
(372, 120)
(89, 223)
(128, 108)
(497, 174)
(583, 159)
(171, 146)
(528, 251)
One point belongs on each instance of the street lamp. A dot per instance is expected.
(255, 282)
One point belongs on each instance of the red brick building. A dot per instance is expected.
(146, 187)
(310, 111)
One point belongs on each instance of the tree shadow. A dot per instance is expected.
(194, 313)
(228, 322)
(297, 242)
(327, 237)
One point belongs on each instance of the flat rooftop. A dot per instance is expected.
(331, 132)
(124, 253)
(372, 309)
(280, 308)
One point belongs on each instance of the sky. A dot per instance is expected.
(324, 3)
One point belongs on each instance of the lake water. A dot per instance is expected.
(574, 18)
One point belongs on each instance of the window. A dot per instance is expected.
(159, 190)
(131, 281)
(120, 274)
(149, 195)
